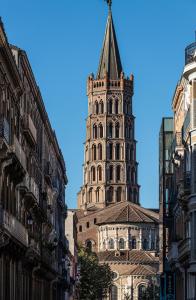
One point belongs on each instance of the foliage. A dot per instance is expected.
(152, 292)
(95, 279)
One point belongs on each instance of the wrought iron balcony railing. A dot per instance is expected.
(13, 227)
(29, 129)
(4, 129)
(19, 153)
(184, 247)
(190, 53)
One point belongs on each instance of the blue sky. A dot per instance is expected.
(63, 40)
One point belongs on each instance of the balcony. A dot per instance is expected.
(190, 53)
(29, 130)
(184, 248)
(32, 193)
(4, 130)
(173, 253)
(20, 156)
(13, 227)
(48, 171)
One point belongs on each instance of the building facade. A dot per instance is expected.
(72, 255)
(32, 187)
(181, 187)
(111, 222)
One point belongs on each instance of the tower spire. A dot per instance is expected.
(110, 61)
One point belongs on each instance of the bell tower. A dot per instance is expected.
(110, 168)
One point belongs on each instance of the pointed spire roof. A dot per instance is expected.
(110, 61)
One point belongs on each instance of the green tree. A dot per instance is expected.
(95, 279)
(152, 292)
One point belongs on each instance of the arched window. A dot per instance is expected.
(94, 152)
(101, 107)
(100, 151)
(90, 195)
(132, 153)
(110, 106)
(114, 292)
(116, 106)
(142, 292)
(96, 108)
(135, 196)
(89, 246)
(128, 174)
(95, 131)
(100, 130)
(110, 194)
(118, 194)
(127, 152)
(111, 244)
(133, 243)
(117, 130)
(117, 151)
(93, 173)
(121, 244)
(133, 176)
(118, 171)
(97, 194)
(110, 130)
(111, 173)
(110, 151)
(130, 194)
(99, 173)
(130, 132)
(145, 244)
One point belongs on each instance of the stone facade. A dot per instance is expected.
(180, 185)
(32, 185)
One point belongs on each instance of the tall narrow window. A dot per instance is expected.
(90, 195)
(110, 130)
(130, 195)
(100, 151)
(97, 196)
(116, 106)
(110, 106)
(128, 174)
(133, 176)
(133, 244)
(93, 173)
(101, 107)
(127, 152)
(100, 130)
(99, 173)
(94, 152)
(117, 151)
(110, 151)
(110, 194)
(130, 132)
(111, 173)
(118, 194)
(111, 244)
(95, 131)
(132, 153)
(121, 244)
(135, 196)
(96, 108)
(118, 171)
(117, 130)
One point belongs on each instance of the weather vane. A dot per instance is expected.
(109, 2)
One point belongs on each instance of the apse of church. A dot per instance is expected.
(110, 167)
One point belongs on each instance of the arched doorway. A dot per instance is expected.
(141, 292)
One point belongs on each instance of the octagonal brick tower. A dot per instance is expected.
(110, 167)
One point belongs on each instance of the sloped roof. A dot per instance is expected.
(124, 212)
(140, 270)
(110, 61)
(131, 256)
